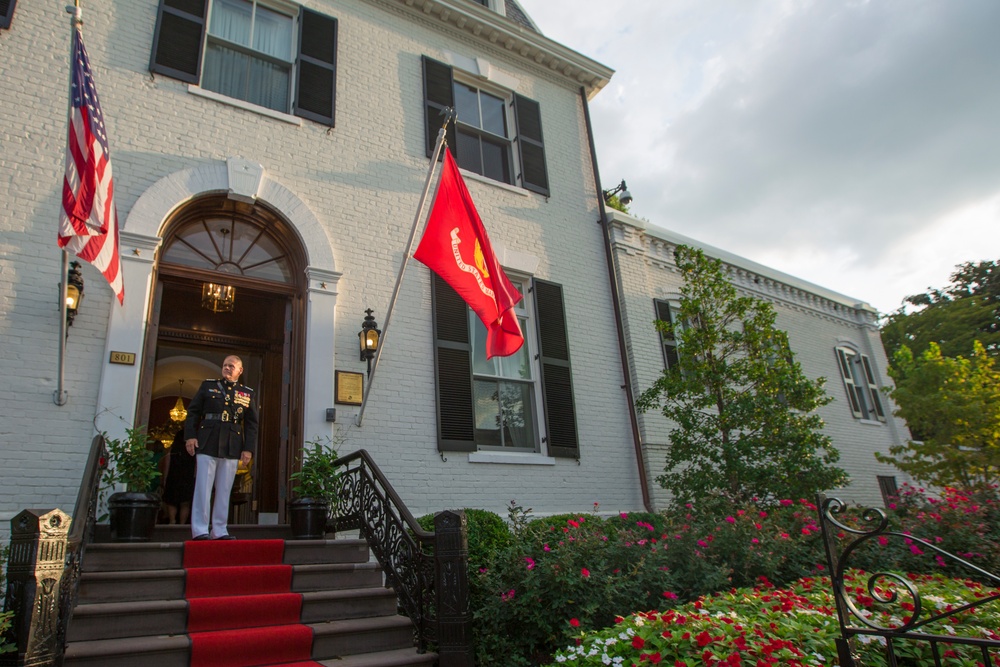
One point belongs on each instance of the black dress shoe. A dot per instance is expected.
(203, 536)
(226, 537)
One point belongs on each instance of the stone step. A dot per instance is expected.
(133, 556)
(137, 585)
(118, 620)
(334, 642)
(179, 533)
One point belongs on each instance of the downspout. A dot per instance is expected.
(616, 300)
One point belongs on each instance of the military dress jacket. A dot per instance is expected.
(223, 417)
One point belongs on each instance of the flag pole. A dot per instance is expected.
(449, 115)
(60, 396)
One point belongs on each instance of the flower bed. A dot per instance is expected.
(765, 625)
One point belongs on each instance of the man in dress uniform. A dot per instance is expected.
(221, 426)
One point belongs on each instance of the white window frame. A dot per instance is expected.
(464, 78)
(287, 9)
(861, 384)
(673, 307)
(525, 310)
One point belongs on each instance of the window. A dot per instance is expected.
(271, 56)
(496, 134)
(495, 404)
(859, 381)
(7, 12)
(889, 489)
(667, 340)
(503, 387)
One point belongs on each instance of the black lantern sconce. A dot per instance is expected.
(368, 338)
(74, 291)
(624, 196)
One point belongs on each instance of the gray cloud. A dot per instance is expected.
(829, 130)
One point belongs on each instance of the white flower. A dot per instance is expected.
(618, 660)
(610, 641)
(639, 621)
(560, 657)
(606, 659)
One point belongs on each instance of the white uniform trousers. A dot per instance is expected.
(219, 473)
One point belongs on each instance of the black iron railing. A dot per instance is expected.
(46, 553)
(917, 623)
(426, 570)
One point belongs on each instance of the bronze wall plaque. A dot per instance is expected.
(349, 387)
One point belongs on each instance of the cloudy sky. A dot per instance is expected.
(854, 144)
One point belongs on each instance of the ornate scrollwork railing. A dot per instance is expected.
(843, 541)
(410, 556)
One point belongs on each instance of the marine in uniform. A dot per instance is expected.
(220, 431)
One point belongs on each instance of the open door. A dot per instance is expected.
(258, 317)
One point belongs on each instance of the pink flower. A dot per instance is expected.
(670, 595)
(530, 561)
(574, 622)
(786, 503)
(573, 523)
(584, 572)
(755, 541)
(546, 547)
(702, 543)
(623, 515)
(508, 596)
(731, 519)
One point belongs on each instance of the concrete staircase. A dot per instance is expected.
(131, 609)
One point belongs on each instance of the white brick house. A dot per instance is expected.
(832, 336)
(298, 131)
(281, 147)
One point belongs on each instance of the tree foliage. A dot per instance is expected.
(953, 318)
(952, 406)
(746, 427)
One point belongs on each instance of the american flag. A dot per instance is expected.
(88, 224)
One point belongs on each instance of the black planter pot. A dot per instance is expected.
(132, 515)
(308, 518)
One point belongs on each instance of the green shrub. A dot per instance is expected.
(487, 534)
(559, 567)
(765, 625)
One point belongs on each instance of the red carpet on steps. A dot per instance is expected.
(241, 611)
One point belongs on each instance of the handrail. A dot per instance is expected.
(80, 535)
(369, 504)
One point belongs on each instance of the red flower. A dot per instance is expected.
(638, 642)
(574, 622)
(584, 572)
(703, 638)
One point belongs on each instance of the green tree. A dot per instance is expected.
(952, 406)
(953, 318)
(746, 423)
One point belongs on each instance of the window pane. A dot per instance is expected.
(273, 33)
(467, 105)
(515, 406)
(468, 156)
(268, 85)
(494, 116)
(487, 406)
(495, 163)
(225, 71)
(516, 367)
(231, 21)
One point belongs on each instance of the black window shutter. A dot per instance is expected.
(7, 12)
(316, 67)
(534, 175)
(453, 361)
(438, 94)
(178, 38)
(557, 384)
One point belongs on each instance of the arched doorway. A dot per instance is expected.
(255, 255)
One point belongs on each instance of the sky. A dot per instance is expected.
(854, 144)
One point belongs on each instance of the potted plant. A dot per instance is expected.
(132, 512)
(317, 489)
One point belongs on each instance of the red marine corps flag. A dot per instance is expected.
(455, 246)
(88, 224)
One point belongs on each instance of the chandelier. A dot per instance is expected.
(178, 413)
(218, 298)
